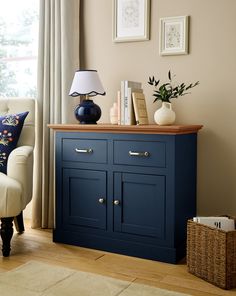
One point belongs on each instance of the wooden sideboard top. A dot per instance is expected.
(138, 129)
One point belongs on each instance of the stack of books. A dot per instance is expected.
(131, 104)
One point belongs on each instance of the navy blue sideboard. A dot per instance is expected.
(126, 189)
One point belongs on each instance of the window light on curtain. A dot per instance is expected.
(19, 47)
(58, 58)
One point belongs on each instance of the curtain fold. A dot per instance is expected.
(58, 58)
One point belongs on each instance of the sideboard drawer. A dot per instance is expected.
(140, 153)
(84, 150)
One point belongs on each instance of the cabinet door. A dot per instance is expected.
(139, 204)
(84, 198)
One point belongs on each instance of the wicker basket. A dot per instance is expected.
(211, 254)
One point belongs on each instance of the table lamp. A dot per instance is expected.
(87, 83)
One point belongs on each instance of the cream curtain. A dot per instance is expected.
(58, 58)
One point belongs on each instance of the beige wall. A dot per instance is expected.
(212, 61)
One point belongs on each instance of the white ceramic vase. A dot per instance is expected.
(164, 115)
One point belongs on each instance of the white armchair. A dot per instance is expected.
(16, 185)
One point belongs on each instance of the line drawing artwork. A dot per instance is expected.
(131, 20)
(173, 36)
(130, 14)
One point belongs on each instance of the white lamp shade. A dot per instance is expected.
(86, 82)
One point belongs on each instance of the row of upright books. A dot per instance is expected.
(131, 104)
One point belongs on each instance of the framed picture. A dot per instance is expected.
(140, 109)
(131, 20)
(174, 35)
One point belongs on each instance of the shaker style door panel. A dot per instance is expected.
(139, 204)
(84, 198)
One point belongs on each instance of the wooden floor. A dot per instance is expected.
(36, 244)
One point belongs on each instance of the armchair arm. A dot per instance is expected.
(20, 168)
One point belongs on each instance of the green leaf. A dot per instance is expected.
(157, 82)
(166, 91)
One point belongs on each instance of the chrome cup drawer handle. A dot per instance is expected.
(89, 150)
(136, 153)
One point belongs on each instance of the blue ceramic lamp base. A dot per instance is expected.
(87, 112)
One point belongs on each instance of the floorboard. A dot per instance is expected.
(36, 244)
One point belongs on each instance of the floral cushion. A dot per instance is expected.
(10, 130)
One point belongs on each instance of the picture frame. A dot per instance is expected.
(173, 35)
(140, 108)
(131, 20)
